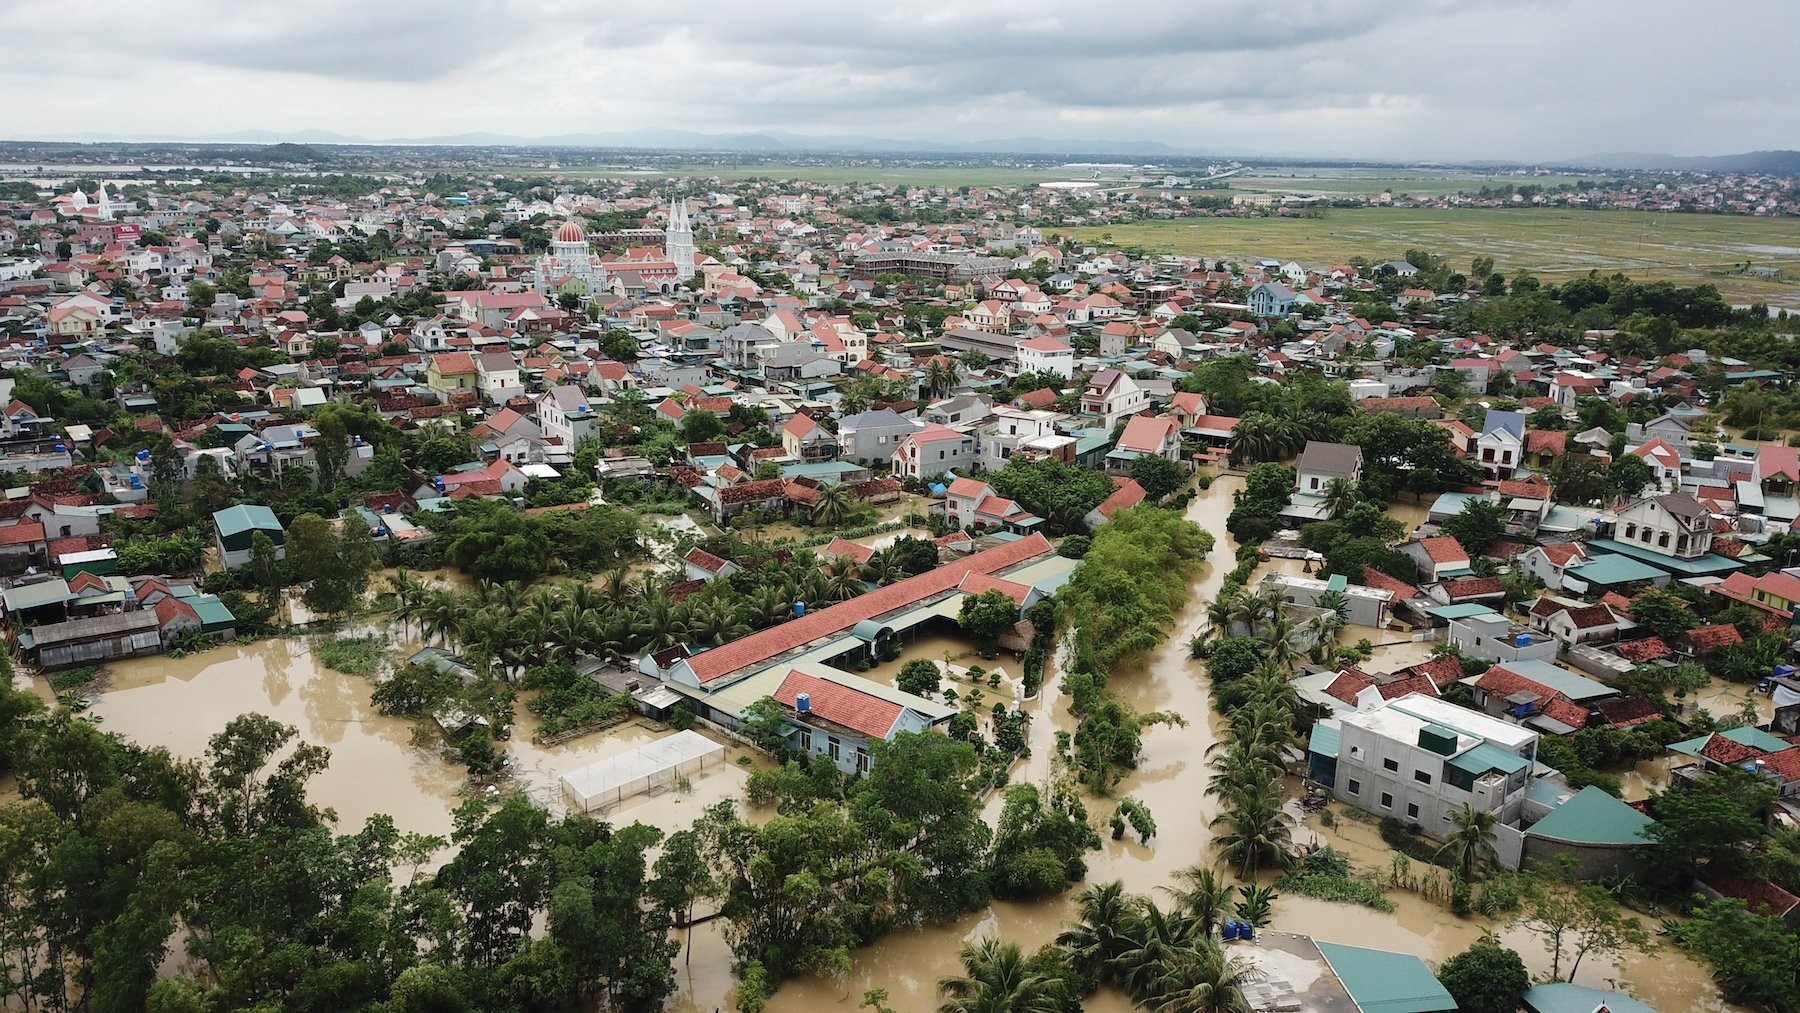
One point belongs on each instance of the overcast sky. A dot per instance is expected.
(1458, 79)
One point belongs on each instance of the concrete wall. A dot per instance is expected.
(1593, 861)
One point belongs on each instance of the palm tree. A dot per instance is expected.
(1160, 939)
(660, 624)
(835, 502)
(766, 608)
(442, 615)
(997, 979)
(842, 579)
(1207, 981)
(881, 569)
(618, 589)
(1471, 845)
(714, 623)
(1100, 936)
(1202, 897)
(568, 633)
(940, 377)
(1258, 905)
(1279, 638)
(409, 591)
(1218, 616)
(1339, 497)
(1259, 832)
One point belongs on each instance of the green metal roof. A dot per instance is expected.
(28, 596)
(1382, 982)
(210, 609)
(1562, 997)
(1459, 611)
(1755, 738)
(1486, 757)
(1593, 817)
(246, 517)
(1706, 565)
(1562, 680)
(1613, 569)
(1324, 739)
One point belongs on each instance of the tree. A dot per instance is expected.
(1575, 921)
(1158, 475)
(835, 502)
(1470, 845)
(987, 616)
(1340, 497)
(919, 677)
(1451, 384)
(1629, 474)
(1708, 826)
(1485, 978)
(997, 978)
(1232, 658)
(265, 568)
(1477, 526)
(1662, 612)
(765, 723)
(1755, 957)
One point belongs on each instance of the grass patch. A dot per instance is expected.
(74, 678)
(1555, 244)
(352, 655)
(1326, 875)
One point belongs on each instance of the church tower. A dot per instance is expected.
(678, 243)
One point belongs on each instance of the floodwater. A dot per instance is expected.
(375, 767)
(1169, 780)
(180, 703)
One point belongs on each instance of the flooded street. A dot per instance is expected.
(376, 767)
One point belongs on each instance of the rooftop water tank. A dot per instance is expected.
(1522, 640)
(803, 703)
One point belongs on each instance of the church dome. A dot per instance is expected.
(569, 232)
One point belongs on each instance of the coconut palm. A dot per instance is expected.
(569, 633)
(1100, 936)
(767, 607)
(713, 623)
(881, 569)
(442, 614)
(1340, 496)
(1159, 940)
(843, 581)
(997, 979)
(409, 592)
(1205, 980)
(835, 502)
(616, 586)
(659, 624)
(1470, 845)
(1279, 638)
(940, 377)
(1201, 897)
(1218, 616)
(1258, 832)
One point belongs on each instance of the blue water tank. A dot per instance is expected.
(1246, 930)
(381, 532)
(1522, 640)
(143, 456)
(137, 481)
(438, 483)
(1230, 931)
(803, 703)
(799, 609)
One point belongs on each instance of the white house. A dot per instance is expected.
(1047, 355)
(1673, 524)
(1501, 445)
(1112, 396)
(934, 450)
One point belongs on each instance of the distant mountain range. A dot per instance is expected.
(1781, 162)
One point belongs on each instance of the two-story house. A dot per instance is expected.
(1145, 436)
(1112, 395)
(1777, 593)
(971, 503)
(1047, 355)
(870, 437)
(1270, 299)
(451, 371)
(934, 450)
(805, 440)
(1501, 446)
(1673, 524)
(564, 413)
(497, 374)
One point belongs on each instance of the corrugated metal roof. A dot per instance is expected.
(1324, 739)
(1486, 757)
(1380, 981)
(1593, 817)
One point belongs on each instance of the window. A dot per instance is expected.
(862, 760)
(1315, 482)
(806, 740)
(1422, 777)
(835, 748)
(1412, 811)
(1390, 764)
(1354, 786)
(1631, 531)
(1662, 540)
(1387, 800)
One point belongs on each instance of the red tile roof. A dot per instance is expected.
(1711, 638)
(22, 533)
(766, 644)
(1473, 587)
(1444, 549)
(1627, 711)
(1720, 749)
(854, 709)
(853, 551)
(1640, 651)
(1374, 578)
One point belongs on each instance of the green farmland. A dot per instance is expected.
(1554, 244)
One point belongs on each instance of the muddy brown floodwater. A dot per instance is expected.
(181, 703)
(1169, 780)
